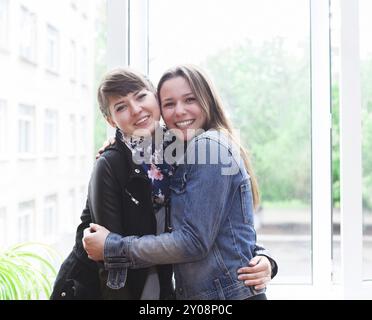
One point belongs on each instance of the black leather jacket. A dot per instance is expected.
(119, 198)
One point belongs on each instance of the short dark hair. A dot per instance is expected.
(120, 82)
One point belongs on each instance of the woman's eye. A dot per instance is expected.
(167, 105)
(120, 108)
(141, 96)
(190, 100)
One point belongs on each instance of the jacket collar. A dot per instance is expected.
(135, 170)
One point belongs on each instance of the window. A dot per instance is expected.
(4, 23)
(50, 216)
(3, 127)
(52, 49)
(74, 217)
(26, 129)
(26, 212)
(72, 135)
(84, 67)
(50, 131)
(28, 30)
(264, 52)
(3, 226)
(83, 135)
(305, 244)
(73, 61)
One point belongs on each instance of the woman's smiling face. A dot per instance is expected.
(180, 108)
(137, 113)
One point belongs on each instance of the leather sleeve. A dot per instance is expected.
(261, 251)
(105, 197)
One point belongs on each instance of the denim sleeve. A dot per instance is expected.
(196, 235)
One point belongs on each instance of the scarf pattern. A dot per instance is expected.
(158, 171)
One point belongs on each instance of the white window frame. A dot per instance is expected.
(126, 14)
(351, 156)
(72, 135)
(28, 29)
(4, 25)
(73, 61)
(26, 211)
(30, 136)
(50, 132)
(52, 49)
(50, 216)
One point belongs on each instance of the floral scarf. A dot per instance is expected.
(157, 170)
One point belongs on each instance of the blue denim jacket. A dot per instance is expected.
(212, 220)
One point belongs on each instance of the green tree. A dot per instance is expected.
(267, 93)
(366, 80)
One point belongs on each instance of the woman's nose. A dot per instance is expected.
(136, 108)
(180, 108)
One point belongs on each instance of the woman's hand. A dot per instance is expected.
(94, 241)
(106, 144)
(257, 274)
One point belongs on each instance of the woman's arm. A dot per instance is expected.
(202, 217)
(104, 197)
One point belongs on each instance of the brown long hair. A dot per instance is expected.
(210, 102)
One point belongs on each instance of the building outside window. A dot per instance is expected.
(52, 49)
(50, 131)
(28, 30)
(26, 129)
(41, 113)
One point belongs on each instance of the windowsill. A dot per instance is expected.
(27, 157)
(28, 61)
(50, 156)
(52, 72)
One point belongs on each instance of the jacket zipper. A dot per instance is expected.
(131, 197)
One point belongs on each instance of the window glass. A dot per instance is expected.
(257, 53)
